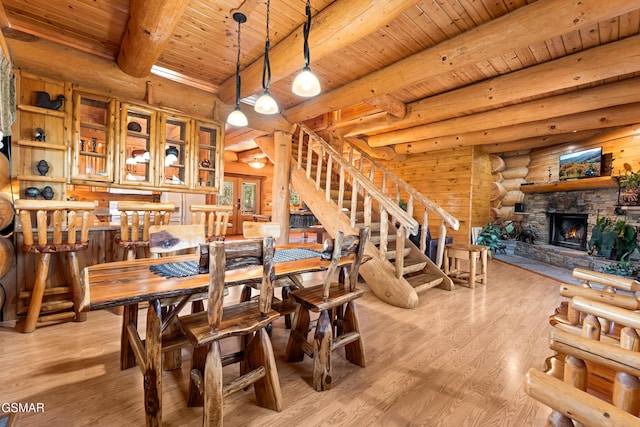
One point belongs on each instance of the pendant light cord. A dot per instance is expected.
(238, 69)
(266, 66)
(305, 33)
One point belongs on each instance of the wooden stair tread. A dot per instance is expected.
(422, 282)
(412, 265)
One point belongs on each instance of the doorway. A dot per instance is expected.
(244, 194)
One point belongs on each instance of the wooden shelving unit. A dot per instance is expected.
(574, 185)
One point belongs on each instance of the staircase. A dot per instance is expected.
(346, 190)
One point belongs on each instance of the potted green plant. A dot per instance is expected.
(615, 240)
(629, 183)
(490, 236)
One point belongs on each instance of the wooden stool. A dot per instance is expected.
(62, 216)
(134, 234)
(454, 253)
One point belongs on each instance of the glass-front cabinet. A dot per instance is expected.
(138, 150)
(208, 159)
(94, 121)
(174, 151)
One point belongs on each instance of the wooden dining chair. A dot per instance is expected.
(135, 220)
(338, 324)
(285, 306)
(52, 219)
(247, 320)
(215, 218)
(167, 240)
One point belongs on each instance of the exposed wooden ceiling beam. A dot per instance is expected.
(512, 31)
(541, 141)
(46, 58)
(150, 27)
(338, 25)
(598, 119)
(618, 93)
(389, 104)
(248, 155)
(585, 67)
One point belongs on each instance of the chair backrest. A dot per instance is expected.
(257, 229)
(596, 372)
(239, 253)
(214, 217)
(58, 216)
(137, 217)
(353, 246)
(165, 239)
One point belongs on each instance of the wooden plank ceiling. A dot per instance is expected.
(414, 76)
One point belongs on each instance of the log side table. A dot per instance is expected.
(454, 253)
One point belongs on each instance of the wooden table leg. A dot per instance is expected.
(152, 381)
(483, 259)
(472, 268)
(127, 356)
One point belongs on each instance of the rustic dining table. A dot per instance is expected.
(128, 283)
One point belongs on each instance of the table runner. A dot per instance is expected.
(190, 268)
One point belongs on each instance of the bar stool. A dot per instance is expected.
(454, 253)
(56, 216)
(134, 234)
(215, 218)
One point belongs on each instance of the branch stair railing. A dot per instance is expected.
(357, 187)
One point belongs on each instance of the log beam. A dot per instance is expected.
(597, 119)
(540, 141)
(88, 72)
(150, 27)
(473, 46)
(610, 95)
(389, 104)
(331, 30)
(585, 67)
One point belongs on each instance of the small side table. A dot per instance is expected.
(454, 253)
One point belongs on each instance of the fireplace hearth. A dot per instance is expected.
(568, 230)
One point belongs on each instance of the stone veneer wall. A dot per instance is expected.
(594, 203)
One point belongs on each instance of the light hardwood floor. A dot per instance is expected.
(459, 359)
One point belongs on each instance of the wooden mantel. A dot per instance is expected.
(573, 185)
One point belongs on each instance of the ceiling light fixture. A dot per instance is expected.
(306, 83)
(265, 104)
(237, 117)
(256, 164)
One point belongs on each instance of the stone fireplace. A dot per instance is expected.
(563, 221)
(568, 230)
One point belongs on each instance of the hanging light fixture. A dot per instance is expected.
(237, 117)
(265, 104)
(256, 164)
(306, 83)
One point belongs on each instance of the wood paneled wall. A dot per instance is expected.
(458, 179)
(623, 144)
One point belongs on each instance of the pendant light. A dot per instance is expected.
(237, 117)
(306, 83)
(265, 104)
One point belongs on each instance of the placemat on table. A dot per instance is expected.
(190, 268)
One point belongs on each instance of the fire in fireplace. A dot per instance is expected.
(568, 230)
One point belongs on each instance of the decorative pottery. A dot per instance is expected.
(134, 126)
(94, 142)
(43, 167)
(47, 193)
(32, 192)
(205, 163)
(39, 135)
